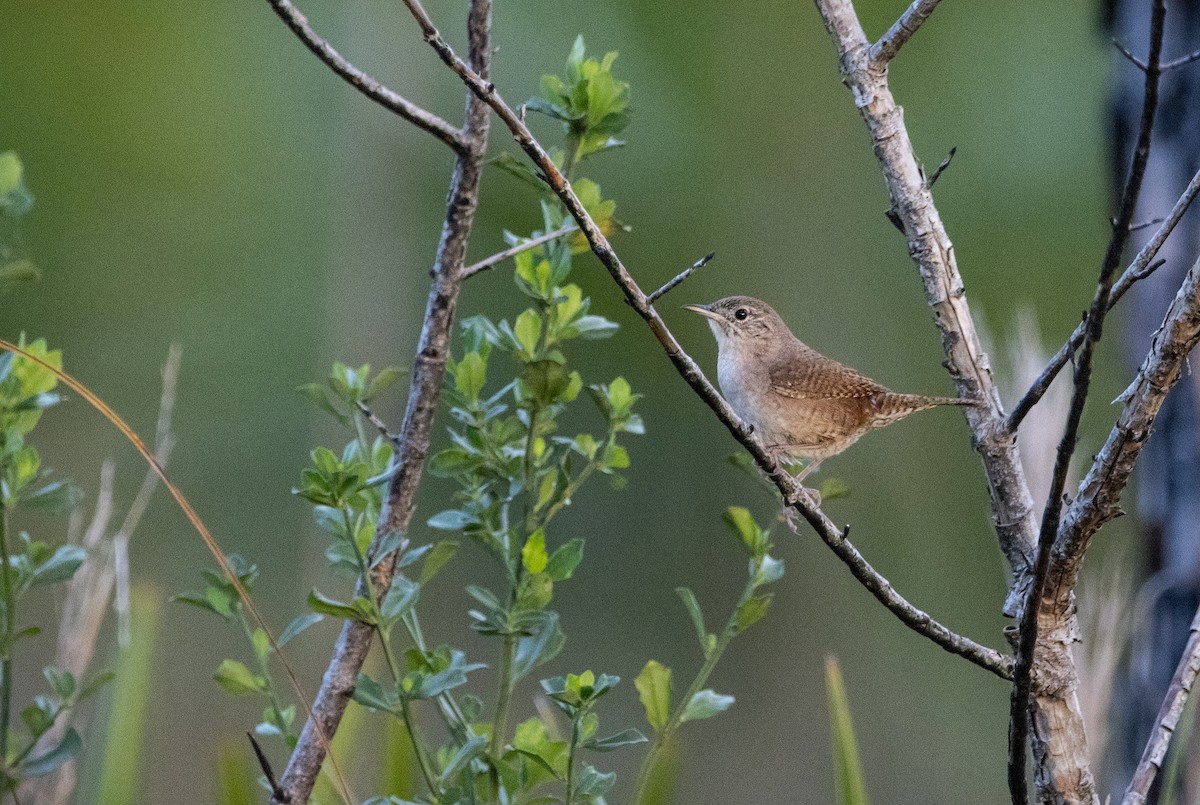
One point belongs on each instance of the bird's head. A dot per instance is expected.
(742, 321)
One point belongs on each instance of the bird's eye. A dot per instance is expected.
(741, 314)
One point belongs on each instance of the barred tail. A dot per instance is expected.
(892, 407)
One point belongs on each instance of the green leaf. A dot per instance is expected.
(533, 554)
(369, 693)
(10, 172)
(693, 608)
(472, 749)
(542, 644)
(439, 556)
(236, 678)
(623, 738)
(752, 611)
(742, 524)
(470, 376)
(57, 497)
(528, 331)
(565, 559)
(706, 704)
(261, 644)
(299, 624)
(61, 565)
(391, 542)
(850, 784)
(592, 783)
(358, 610)
(535, 591)
(22, 270)
(450, 520)
(47, 762)
(768, 570)
(654, 689)
(834, 488)
(382, 382)
(400, 598)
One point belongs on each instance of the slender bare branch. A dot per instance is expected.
(523, 246)
(1137, 270)
(901, 31)
(678, 279)
(1181, 61)
(1168, 719)
(1128, 54)
(429, 370)
(876, 584)
(365, 83)
(1094, 329)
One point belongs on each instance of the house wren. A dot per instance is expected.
(802, 404)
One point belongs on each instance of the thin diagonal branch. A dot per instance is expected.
(1168, 719)
(1019, 706)
(678, 279)
(1181, 61)
(876, 584)
(429, 370)
(901, 31)
(365, 83)
(1137, 270)
(523, 246)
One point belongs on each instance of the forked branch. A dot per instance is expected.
(365, 83)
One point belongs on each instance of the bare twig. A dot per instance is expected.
(941, 168)
(901, 31)
(363, 82)
(524, 246)
(876, 584)
(428, 373)
(1181, 61)
(1094, 328)
(1138, 269)
(1128, 54)
(265, 765)
(675, 281)
(1168, 719)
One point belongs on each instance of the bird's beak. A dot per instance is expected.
(704, 310)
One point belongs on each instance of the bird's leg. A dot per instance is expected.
(801, 492)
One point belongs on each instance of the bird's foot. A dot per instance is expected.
(801, 494)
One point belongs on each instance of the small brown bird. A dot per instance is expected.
(802, 404)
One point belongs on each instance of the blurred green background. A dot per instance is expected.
(201, 178)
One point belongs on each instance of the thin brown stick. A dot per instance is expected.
(365, 83)
(1094, 328)
(1169, 715)
(429, 370)
(1138, 269)
(678, 279)
(875, 583)
(524, 246)
(901, 31)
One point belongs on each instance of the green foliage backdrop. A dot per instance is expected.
(201, 178)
